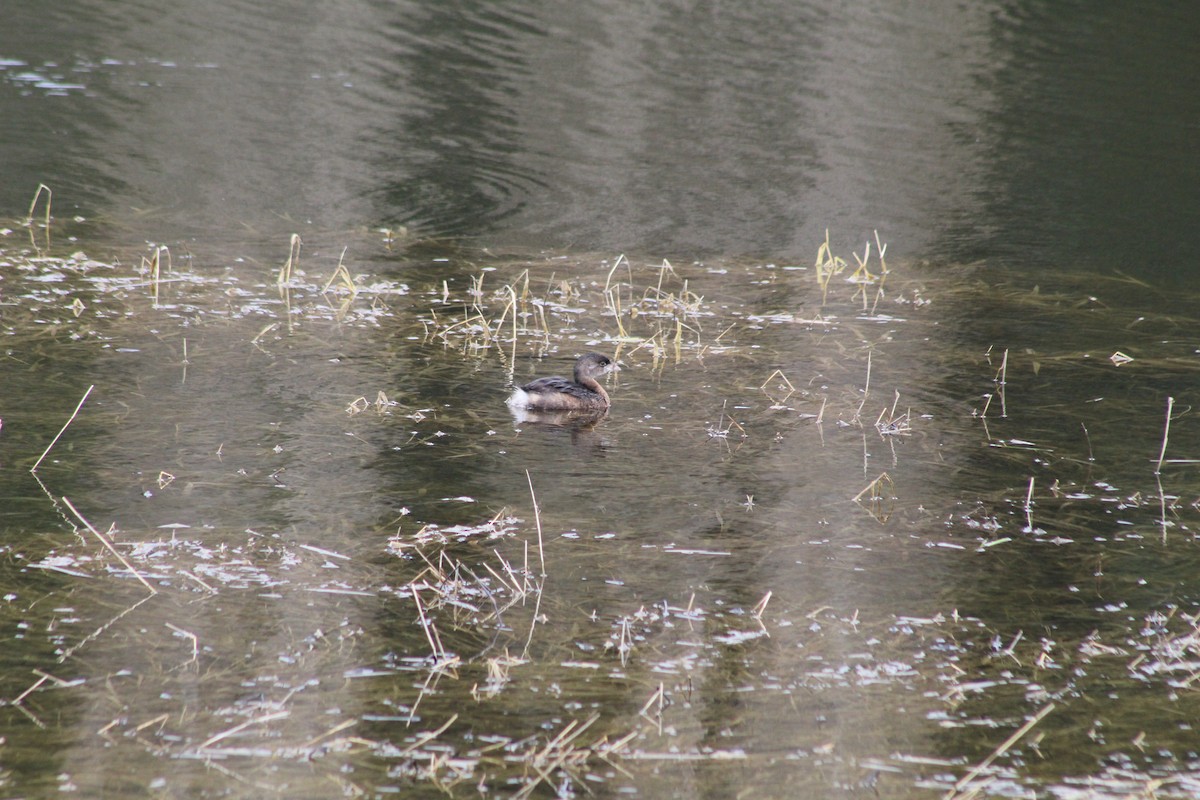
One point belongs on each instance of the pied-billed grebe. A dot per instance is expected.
(560, 394)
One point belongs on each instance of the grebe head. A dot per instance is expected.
(593, 365)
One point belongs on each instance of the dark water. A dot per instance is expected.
(704, 580)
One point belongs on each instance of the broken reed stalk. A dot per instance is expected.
(104, 540)
(621, 259)
(342, 274)
(876, 488)
(778, 372)
(883, 272)
(537, 519)
(29, 220)
(658, 698)
(1166, 432)
(662, 270)
(827, 266)
(54, 441)
(612, 296)
(761, 607)
(476, 292)
(37, 196)
(999, 751)
(862, 276)
(293, 261)
(193, 638)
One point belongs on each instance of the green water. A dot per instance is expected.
(803, 552)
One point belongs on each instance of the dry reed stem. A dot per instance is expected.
(827, 265)
(350, 723)
(161, 720)
(862, 274)
(71, 419)
(70, 651)
(866, 388)
(191, 636)
(225, 734)
(555, 755)
(153, 266)
(761, 607)
(717, 432)
(342, 274)
(1162, 507)
(42, 678)
(663, 269)
(537, 610)
(1162, 453)
(537, 519)
(427, 626)
(621, 259)
(999, 751)
(1029, 507)
(104, 540)
(32, 206)
(511, 581)
(1002, 383)
(1088, 438)
(874, 488)
(772, 375)
(429, 736)
(658, 698)
(513, 296)
(37, 196)
(293, 261)
(986, 406)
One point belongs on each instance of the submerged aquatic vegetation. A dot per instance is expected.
(711, 584)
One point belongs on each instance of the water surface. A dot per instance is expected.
(836, 536)
(1035, 134)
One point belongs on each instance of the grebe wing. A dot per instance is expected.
(548, 385)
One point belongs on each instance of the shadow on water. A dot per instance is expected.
(842, 530)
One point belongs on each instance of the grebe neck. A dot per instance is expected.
(592, 384)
